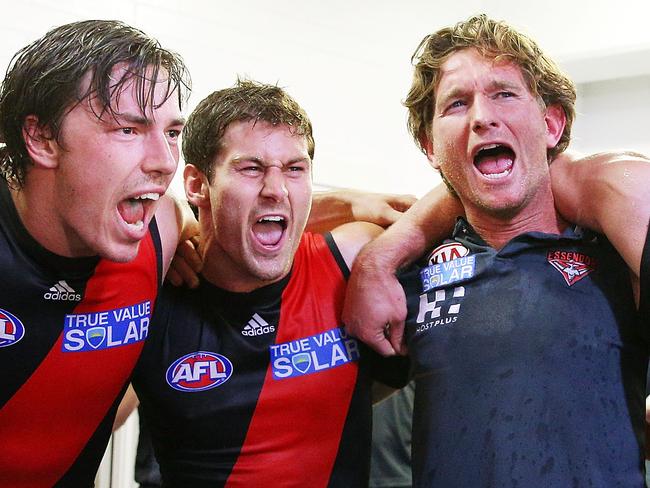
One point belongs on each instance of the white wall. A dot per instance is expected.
(347, 63)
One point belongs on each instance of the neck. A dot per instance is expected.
(497, 229)
(34, 207)
(219, 270)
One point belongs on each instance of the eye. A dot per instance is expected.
(173, 133)
(127, 130)
(505, 94)
(456, 104)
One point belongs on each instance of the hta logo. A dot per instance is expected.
(11, 329)
(62, 291)
(257, 326)
(199, 371)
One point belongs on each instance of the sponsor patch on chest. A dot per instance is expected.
(11, 329)
(199, 371)
(448, 252)
(573, 266)
(102, 330)
(313, 354)
(447, 272)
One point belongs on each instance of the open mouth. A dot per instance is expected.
(134, 210)
(269, 229)
(494, 160)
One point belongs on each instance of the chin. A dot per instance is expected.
(120, 254)
(271, 272)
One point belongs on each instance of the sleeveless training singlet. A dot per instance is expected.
(71, 331)
(261, 388)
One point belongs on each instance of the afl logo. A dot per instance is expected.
(11, 329)
(199, 371)
(447, 252)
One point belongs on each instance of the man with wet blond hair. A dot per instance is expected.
(497, 41)
(526, 346)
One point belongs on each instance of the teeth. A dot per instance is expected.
(136, 225)
(489, 146)
(274, 218)
(147, 196)
(495, 176)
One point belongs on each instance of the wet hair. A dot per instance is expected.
(246, 100)
(73, 63)
(496, 40)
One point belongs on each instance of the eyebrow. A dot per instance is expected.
(459, 92)
(146, 121)
(255, 159)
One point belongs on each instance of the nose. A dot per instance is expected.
(160, 156)
(484, 115)
(273, 185)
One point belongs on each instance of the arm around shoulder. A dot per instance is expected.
(351, 238)
(609, 193)
(375, 305)
(331, 209)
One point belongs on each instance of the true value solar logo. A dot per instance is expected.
(103, 330)
(313, 354)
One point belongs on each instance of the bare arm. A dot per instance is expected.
(609, 193)
(334, 208)
(126, 407)
(350, 238)
(374, 297)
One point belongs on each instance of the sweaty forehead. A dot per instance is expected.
(126, 91)
(264, 141)
(468, 67)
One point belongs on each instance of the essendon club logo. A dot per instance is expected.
(447, 252)
(573, 265)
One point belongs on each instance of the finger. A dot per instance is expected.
(381, 344)
(402, 202)
(173, 277)
(187, 275)
(376, 340)
(187, 251)
(389, 217)
(396, 337)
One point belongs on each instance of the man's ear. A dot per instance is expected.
(555, 119)
(42, 148)
(197, 188)
(427, 145)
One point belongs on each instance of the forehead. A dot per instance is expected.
(134, 93)
(263, 140)
(470, 67)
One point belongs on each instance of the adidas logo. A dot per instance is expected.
(62, 291)
(257, 326)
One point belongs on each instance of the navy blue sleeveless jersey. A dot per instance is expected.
(261, 388)
(529, 364)
(71, 331)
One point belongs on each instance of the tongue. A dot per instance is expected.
(494, 164)
(132, 211)
(268, 233)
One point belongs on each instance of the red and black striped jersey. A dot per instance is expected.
(262, 388)
(71, 331)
